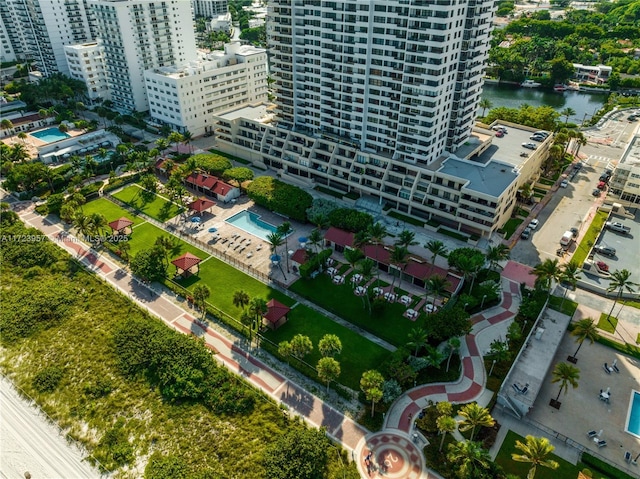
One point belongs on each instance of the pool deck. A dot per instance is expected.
(31, 143)
(251, 256)
(582, 410)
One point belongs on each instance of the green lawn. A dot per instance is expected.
(144, 236)
(608, 325)
(358, 353)
(224, 280)
(568, 307)
(565, 471)
(510, 226)
(110, 210)
(590, 237)
(389, 325)
(149, 203)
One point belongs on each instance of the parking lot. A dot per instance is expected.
(627, 252)
(570, 207)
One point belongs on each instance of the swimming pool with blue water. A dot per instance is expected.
(50, 135)
(633, 416)
(251, 223)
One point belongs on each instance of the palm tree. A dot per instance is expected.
(168, 246)
(535, 450)
(83, 224)
(285, 230)
(99, 222)
(352, 256)
(200, 295)
(547, 272)
(6, 124)
(567, 375)
(498, 253)
(162, 144)
(398, 258)
(436, 248)
(584, 329)
(406, 238)
(416, 339)
(436, 285)
(187, 137)
(570, 274)
(469, 457)
(275, 240)
(567, 112)
(445, 424)
(366, 269)
(377, 233)
(453, 344)
(475, 415)
(620, 281)
(470, 267)
(485, 104)
(175, 137)
(315, 238)
(241, 299)
(22, 136)
(257, 308)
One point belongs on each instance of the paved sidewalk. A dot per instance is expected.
(229, 353)
(396, 450)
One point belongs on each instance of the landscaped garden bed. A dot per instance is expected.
(149, 203)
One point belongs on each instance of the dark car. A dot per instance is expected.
(604, 177)
(526, 233)
(596, 192)
(577, 166)
(605, 250)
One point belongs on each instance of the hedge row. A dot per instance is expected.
(280, 197)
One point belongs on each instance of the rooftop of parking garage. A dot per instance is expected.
(491, 179)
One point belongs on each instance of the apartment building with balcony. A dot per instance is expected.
(6, 48)
(39, 29)
(187, 97)
(86, 63)
(210, 8)
(139, 35)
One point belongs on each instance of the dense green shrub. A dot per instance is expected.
(600, 466)
(114, 449)
(121, 181)
(54, 203)
(211, 163)
(165, 467)
(314, 263)
(350, 220)
(300, 453)
(280, 197)
(46, 380)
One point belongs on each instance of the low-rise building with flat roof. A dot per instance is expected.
(187, 97)
(473, 190)
(625, 182)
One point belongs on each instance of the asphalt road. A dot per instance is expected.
(29, 443)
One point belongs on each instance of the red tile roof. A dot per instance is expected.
(186, 261)
(300, 256)
(201, 180)
(201, 204)
(221, 188)
(120, 224)
(339, 237)
(276, 311)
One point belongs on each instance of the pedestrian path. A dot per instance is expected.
(392, 448)
(396, 450)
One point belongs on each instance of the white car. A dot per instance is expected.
(564, 184)
(534, 224)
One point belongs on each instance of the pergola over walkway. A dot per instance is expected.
(121, 226)
(187, 265)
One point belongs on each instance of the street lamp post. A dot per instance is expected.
(482, 302)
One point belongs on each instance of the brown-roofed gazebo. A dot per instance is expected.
(276, 314)
(121, 226)
(187, 264)
(201, 204)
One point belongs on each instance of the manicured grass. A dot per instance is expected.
(224, 280)
(510, 226)
(568, 307)
(358, 353)
(590, 237)
(389, 325)
(144, 237)
(149, 203)
(609, 325)
(566, 470)
(110, 210)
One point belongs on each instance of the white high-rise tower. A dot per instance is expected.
(138, 35)
(400, 78)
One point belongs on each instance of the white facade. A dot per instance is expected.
(221, 23)
(139, 35)
(395, 77)
(6, 48)
(86, 63)
(39, 30)
(187, 97)
(625, 182)
(209, 8)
